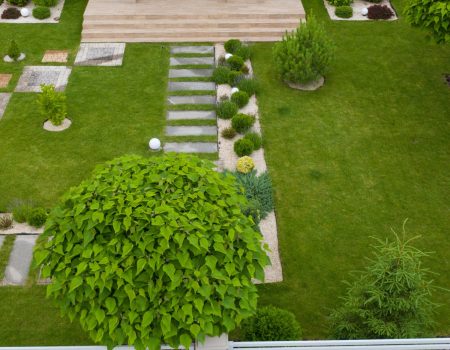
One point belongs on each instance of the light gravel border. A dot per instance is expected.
(18, 228)
(54, 16)
(228, 159)
(357, 6)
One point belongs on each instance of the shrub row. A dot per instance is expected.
(26, 212)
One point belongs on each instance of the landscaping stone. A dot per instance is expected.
(57, 56)
(191, 115)
(191, 100)
(192, 49)
(190, 73)
(9, 59)
(66, 123)
(16, 272)
(191, 147)
(33, 76)
(191, 86)
(179, 61)
(4, 99)
(100, 54)
(4, 80)
(191, 130)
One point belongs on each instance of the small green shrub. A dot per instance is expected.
(221, 75)
(13, 50)
(340, 2)
(11, 13)
(52, 104)
(41, 12)
(244, 52)
(232, 45)
(21, 210)
(343, 11)
(235, 63)
(19, 3)
(37, 217)
(229, 133)
(250, 86)
(375, 1)
(6, 222)
(241, 98)
(271, 324)
(252, 210)
(242, 122)
(234, 77)
(46, 3)
(243, 147)
(226, 109)
(254, 138)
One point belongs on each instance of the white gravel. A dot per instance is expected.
(357, 6)
(20, 228)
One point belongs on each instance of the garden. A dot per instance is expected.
(354, 149)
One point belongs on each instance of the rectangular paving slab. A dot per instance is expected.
(190, 73)
(191, 147)
(191, 86)
(191, 130)
(191, 115)
(16, 272)
(192, 49)
(179, 61)
(191, 100)
(4, 99)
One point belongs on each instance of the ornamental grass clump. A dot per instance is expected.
(153, 250)
(52, 104)
(305, 54)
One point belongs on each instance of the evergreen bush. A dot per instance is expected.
(45, 3)
(340, 2)
(250, 86)
(20, 3)
(344, 11)
(221, 75)
(37, 217)
(232, 45)
(242, 122)
(243, 147)
(235, 63)
(52, 104)
(13, 50)
(241, 98)
(226, 109)
(229, 133)
(255, 138)
(41, 12)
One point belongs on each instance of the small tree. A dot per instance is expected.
(13, 50)
(153, 250)
(52, 104)
(391, 297)
(304, 54)
(433, 15)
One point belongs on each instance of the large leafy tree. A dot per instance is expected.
(153, 250)
(390, 299)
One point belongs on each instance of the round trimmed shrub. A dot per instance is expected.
(271, 324)
(41, 12)
(245, 165)
(37, 217)
(235, 63)
(142, 265)
(244, 52)
(232, 45)
(255, 138)
(250, 86)
(221, 75)
(11, 13)
(46, 3)
(241, 98)
(20, 3)
(344, 11)
(234, 77)
(229, 133)
(242, 122)
(243, 147)
(226, 109)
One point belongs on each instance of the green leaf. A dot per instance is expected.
(99, 315)
(140, 265)
(75, 283)
(195, 329)
(112, 323)
(166, 324)
(185, 340)
(169, 269)
(110, 304)
(147, 319)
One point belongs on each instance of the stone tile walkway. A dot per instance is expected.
(56, 56)
(191, 130)
(18, 267)
(33, 76)
(4, 99)
(4, 80)
(190, 73)
(100, 54)
(192, 100)
(192, 49)
(191, 115)
(191, 86)
(179, 61)
(191, 147)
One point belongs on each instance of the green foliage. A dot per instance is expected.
(241, 98)
(242, 122)
(254, 138)
(41, 12)
(391, 297)
(226, 109)
(6, 221)
(153, 250)
(271, 324)
(46, 3)
(433, 15)
(19, 3)
(244, 52)
(257, 189)
(52, 104)
(243, 147)
(305, 54)
(250, 86)
(21, 210)
(232, 46)
(235, 63)
(221, 75)
(344, 11)
(37, 217)
(13, 50)
(234, 77)
(340, 2)
(375, 1)
(229, 133)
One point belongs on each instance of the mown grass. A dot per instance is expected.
(5, 252)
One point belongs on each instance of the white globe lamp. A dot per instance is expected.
(25, 12)
(228, 56)
(154, 144)
(364, 11)
(234, 90)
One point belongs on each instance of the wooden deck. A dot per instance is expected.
(189, 20)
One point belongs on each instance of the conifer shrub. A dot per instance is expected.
(226, 109)
(232, 45)
(13, 50)
(241, 98)
(242, 122)
(249, 85)
(255, 138)
(46, 3)
(52, 104)
(41, 12)
(243, 147)
(235, 63)
(344, 11)
(221, 75)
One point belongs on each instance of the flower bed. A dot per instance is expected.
(55, 13)
(358, 6)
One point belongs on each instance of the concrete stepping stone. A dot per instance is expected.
(191, 86)
(190, 73)
(100, 54)
(179, 61)
(2, 239)
(192, 49)
(16, 272)
(4, 99)
(33, 76)
(191, 147)
(191, 115)
(191, 130)
(191, 100)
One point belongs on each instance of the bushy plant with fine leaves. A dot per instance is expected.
(153, 250)
(391, 298)
(304, 55)
(52, 104)
(13, 50)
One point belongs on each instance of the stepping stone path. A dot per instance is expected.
(33, 76)
(18, 267)
(58, 56)
(4, 80)
(187, 86)
(4, 99)
(100, 54)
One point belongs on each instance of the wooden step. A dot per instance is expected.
(178, 17)
(162, 39)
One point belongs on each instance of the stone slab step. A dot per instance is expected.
(192, 49)
(191, 130)
(191, 100)
(191, 147)
(179, 61)
(190, 73)
(16, 272)
(191, 86)
(191, 115)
